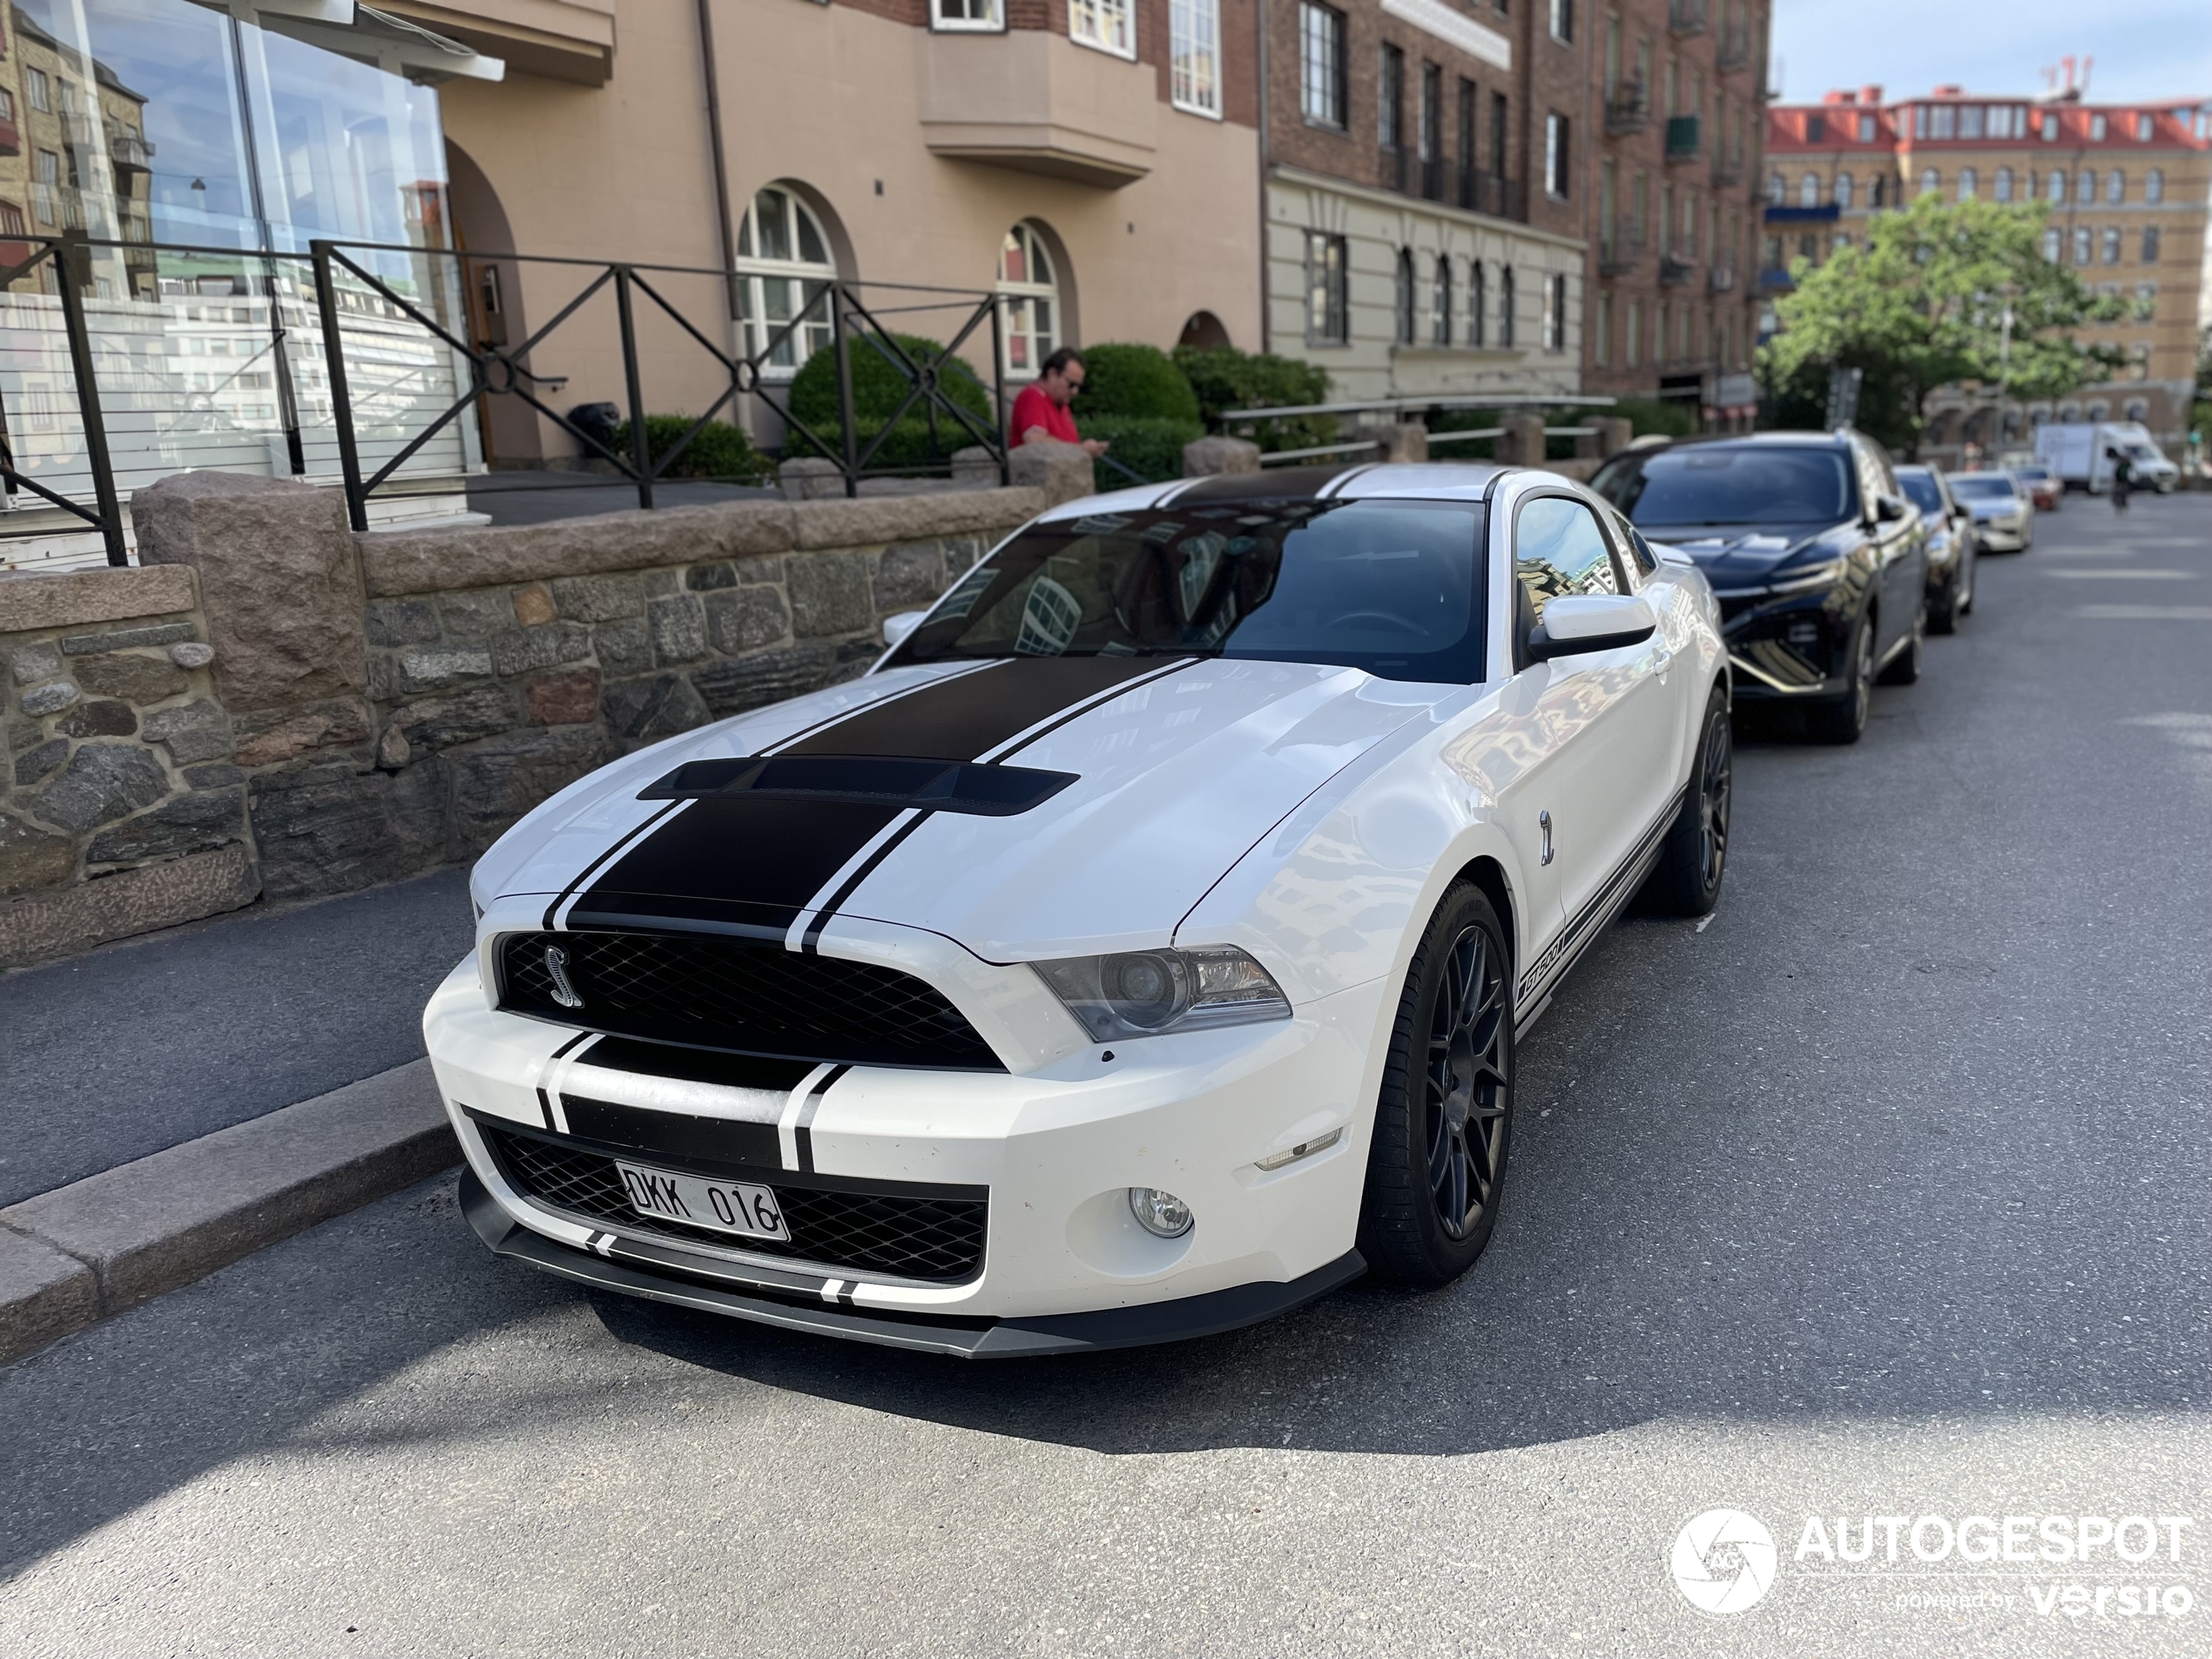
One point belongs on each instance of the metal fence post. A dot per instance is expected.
(998, 396)
(341, 400)
(88, 409)
(640, 450)
(845, 413)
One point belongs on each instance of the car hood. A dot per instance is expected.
(1734, 555)
(1152, 779)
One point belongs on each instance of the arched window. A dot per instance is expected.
(1032, 295)
(1809, 191)
(1777, 191)
(2085, 187)
(2057, 191)
(1478, 304)
(1880, 192)
(2003, 187)
(2150, 245)
(1967, 184)
(1505, 307)
(1439, 302)
(2115, 185)
(784, 267)
(2112, 243)
(2137, 408)
(1843, 188)
(1402, 307)
(2154, 186)
(1931, 183)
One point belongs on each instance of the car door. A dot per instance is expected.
(1900, 547)
(1607, 715)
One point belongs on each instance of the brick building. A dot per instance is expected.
(1425, 192)
(2127, 187)
(1680, 86)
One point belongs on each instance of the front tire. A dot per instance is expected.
(1842, 719)
(1437, 1163)
(1688, 879)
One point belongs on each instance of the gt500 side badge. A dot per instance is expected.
(556, 969)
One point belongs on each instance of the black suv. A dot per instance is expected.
(1818, 559)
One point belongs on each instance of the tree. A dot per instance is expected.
(1920, 304)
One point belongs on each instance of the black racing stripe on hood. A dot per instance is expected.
(753, 863)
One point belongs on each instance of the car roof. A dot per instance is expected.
(1769, 440)
(1425, 481)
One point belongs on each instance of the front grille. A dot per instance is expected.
(736, 993)
(936, 1239)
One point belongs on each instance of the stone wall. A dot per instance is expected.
(275, 707)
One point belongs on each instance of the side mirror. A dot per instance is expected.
(1889, 508)
(1574, 624)
(897, 628)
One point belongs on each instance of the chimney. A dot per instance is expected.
(1870, 95)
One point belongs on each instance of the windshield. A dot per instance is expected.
(1985, 487)
(2033, 475)
(1390, 587)
(1717, 484)
(1925, 492)
(2143, 452)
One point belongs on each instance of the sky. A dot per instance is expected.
(2143, 49)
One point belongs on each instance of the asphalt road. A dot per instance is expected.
(1882, 1194)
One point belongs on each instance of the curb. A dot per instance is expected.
(71, 1256)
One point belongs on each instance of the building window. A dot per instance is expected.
(2111, 245)
(1478, 304)
(2115, 185)
(2150, 245)
(2082, 245)
(45, 188)
(2051, 246)
(2002, 189)
(1194, 54)
(2146, 301)
(1506, 308)
(1843, 188)
(2143, 129)
(37, 89)
(1662, 323)
(1867, 128)
(1390, 100)
(1466, 143)
(1777, 190)
(1429, 129)
(1601, 348)
(2085, 187)
(1402, 299)
(1500, 124)
(1321, 63)
(1931, 183)
(11, 220)
(1809, 191)
(1106, 24)
(967, 14)
(1967, 184)
(1556, 158)
(1562, 20)
(1031, 291)
(1439, 302)
(2154, 186)
(1970, 121)
(1815, 130)
(2049, 129)
(1635, 341)
(1326, 312)
(784, 267)
(1556, 313)
(2099, 128)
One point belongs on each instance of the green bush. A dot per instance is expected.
(1148, 445)
(1649, 415)
(880, 386)
(1141, 382)
(720, 450)
(1224, 378)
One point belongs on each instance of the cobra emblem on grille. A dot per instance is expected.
(556, 969)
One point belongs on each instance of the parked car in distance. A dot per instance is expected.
(2004, 517)
(2043, 486)
(1136, 950)
(2083, 454)
(1951, 545)
(1818, 557)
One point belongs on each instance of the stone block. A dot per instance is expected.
(397, 562)
(167, 633)
(677, 625)
(525, 650)
(42, 925)
(280, 582)
(32, 858)
(35, 765)
(476, 614)
(1406, 442)
(220, 775)
(745, 620)
(1521, 442)
(102, 782)
(878, 521)
(534, 605)
(383, 676)
(403, 621)
(754, 572)
(29, 601)
(1205, 457)
(642, 711)
(22, 735)
(660, 583)
(48, 700)
(191, 653)
(266, 740)
(700, 578)
(393, 750)
(567, 698)
(141, 679)
(99, 719)
(462, 716)
(434, 668)
(497, 782)
(766, 677)
(1614, 434)
(45, 1295)
(830, 593)
(33, 663)
(599, 598)
(909, 575)
(810, 478)
(622, 647)
(195, 731)
(334, 824)
(1061, 471)
(189, 823)
(976, 468)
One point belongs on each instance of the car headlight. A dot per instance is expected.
(1804, 581)
(1143, 993)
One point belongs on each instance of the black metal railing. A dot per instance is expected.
(62, 263)
(1628, 108)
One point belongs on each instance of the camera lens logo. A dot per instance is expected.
(1723, 1561)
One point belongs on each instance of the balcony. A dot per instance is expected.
(1685, 16)
(1628, 108)
(1685, 140)
(1721, 279)
(1674, 271)
(1621, 253)
(1035, 102)
(129, 150)
(1732, 47)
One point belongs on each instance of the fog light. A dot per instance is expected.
(1161, 1214)
(1803, 632)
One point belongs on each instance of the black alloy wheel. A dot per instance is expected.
(1437, 1163)
(1687, 880)
(1842, 719)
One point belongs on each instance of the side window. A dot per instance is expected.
(1873, 479)
(1638, 560)
(1558, 549)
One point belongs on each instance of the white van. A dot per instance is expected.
(2082, 455)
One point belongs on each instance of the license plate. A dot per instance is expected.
(723, 1206)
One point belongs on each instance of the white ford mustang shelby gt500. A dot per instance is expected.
(1138, 950)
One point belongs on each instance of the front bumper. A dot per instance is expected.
(1789, 646)
(2009, 535)
(1052, 1152)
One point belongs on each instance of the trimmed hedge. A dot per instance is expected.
(719, 451)
(1224, 378)
(1140, 382)
(879, 386)
(1649, 415)
(1148, 445)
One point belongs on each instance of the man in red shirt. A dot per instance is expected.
(1040, 408)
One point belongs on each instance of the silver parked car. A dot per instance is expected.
(2004, 512)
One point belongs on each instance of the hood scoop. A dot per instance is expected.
(871, 780)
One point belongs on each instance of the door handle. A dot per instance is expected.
(1544, 823)
(1662, 660)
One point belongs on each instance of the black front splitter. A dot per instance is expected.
(966, 1338)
